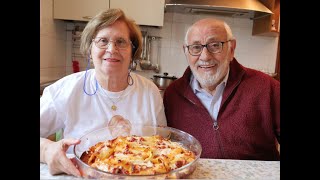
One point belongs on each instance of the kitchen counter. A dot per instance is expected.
(213, 169)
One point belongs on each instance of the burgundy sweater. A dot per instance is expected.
(248, 119)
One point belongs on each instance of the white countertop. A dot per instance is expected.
(213, 169)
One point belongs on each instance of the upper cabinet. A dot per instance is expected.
(144, 12)
(78, 10)
(268, 25)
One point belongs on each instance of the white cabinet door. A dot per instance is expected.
(79, 10)
(144, 12)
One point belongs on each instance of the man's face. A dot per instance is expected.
(209, 68)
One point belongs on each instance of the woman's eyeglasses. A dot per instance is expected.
(120, 43)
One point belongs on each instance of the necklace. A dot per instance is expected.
(114, 107)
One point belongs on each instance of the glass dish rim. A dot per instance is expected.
(151, 175)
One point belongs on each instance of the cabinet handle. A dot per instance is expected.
(87, 17)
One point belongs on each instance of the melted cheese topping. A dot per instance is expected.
(139, 155)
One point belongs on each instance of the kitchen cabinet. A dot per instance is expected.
(268, 25)
(79, 10)
(144, 12)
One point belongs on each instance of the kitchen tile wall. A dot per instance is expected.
(258, 52)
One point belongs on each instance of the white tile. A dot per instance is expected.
(146, 73)
(143, 28)
(172, 61)
(60, 31)
(164, 32)
(69, 36)
(68, 53)
(70, 26)
(178, 32)
(168, 17)
(182, 18)
(241, 33)
(165, 42)
(242, 22)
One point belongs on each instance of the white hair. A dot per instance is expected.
(229, 32)
(226, 27)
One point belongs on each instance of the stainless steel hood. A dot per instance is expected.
(236, 8)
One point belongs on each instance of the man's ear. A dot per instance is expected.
(184, 48)
(233, 44)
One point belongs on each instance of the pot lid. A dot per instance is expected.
(165, 75)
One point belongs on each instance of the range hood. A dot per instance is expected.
(252, 9)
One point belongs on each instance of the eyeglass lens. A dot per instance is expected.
(214, 47)
(103, 43)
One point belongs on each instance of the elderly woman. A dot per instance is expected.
(84, 101)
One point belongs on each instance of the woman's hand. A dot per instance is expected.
(54, 155)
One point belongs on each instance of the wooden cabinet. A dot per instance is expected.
(268, 25)
(79, 10)
(144, 12)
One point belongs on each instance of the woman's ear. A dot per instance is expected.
(132, 65)
(134, 49)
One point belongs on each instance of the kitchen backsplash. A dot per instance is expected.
(258, 52)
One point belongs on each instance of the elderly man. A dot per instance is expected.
(232, 110)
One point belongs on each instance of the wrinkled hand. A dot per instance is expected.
(56, 159)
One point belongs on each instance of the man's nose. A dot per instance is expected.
(205, 54)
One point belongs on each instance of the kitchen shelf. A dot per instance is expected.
(268, 25)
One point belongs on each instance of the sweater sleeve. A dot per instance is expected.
(276, 109)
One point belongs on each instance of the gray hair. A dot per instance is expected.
(105, 19)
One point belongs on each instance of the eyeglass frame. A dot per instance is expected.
(205, 45)
(109, 41)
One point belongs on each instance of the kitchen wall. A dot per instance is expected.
(52, 44)
(56, 53)
(257, 52)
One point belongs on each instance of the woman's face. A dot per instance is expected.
(111, 50)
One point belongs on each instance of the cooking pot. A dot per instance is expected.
(163, 81)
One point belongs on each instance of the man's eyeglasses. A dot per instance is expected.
(213, 47)
(120, 43)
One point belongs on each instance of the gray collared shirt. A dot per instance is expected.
(211, 102)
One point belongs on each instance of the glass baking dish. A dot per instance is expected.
(175, 135)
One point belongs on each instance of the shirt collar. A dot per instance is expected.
(196, 86)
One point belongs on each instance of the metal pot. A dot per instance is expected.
(163, 81)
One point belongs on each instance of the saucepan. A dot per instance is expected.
(163, 81)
